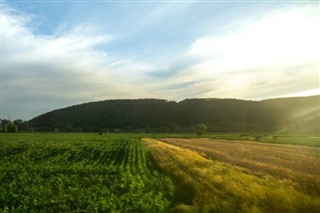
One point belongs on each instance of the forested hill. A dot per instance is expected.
(220, 115)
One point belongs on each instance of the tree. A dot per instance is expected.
(201, 128)
(18, 122)
(12, 128)
(4, 125)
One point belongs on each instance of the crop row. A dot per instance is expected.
(79, 173)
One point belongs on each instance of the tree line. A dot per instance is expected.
(155, 115)
(7, 125)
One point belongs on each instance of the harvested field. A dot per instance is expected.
(204, 185)
(297, 163)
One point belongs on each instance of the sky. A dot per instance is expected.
(56, 54)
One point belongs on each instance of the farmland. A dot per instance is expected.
(297, 163)
(77, 172)
(206, 185)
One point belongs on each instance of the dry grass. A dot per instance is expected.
(297, 163)
(205, 185)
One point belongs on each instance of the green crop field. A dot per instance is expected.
(79, 173)
(76, 172)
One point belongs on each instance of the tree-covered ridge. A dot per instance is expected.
(220, 115)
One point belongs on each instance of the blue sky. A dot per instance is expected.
(59, 53)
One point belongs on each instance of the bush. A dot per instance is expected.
(12, 128)
(201, 128)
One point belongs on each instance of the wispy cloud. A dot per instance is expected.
(280, 38)
(48, 69)
(151, 52)
(268, 50)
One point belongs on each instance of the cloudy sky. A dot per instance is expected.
(60, 53)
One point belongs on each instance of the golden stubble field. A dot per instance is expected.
(300, 164)
(204, 185)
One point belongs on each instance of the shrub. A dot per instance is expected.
(12, 128)
(201, 128)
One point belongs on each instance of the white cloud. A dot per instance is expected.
(279, 43)
(20, 43)
(282, 38)
(59, 70)
(276, 54)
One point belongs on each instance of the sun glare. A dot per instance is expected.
(307, 93)
(277, 40)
